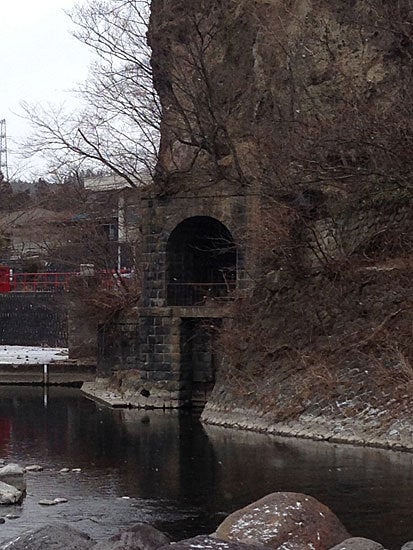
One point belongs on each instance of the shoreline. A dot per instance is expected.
(320, 428)
(308, 428)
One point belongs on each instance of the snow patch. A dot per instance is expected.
(31, 355)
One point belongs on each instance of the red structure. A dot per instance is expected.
(5, 283)
(41, 282)
(51, 282)
(33, 282)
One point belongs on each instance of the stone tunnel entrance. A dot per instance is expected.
(201, 262)
(198, 358)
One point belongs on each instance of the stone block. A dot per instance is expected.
(158, 284)
(153, 360)
(162, 348)
(164, 366)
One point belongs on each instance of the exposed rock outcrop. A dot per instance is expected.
(292, 107)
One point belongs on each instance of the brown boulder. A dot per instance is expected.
(279, 518)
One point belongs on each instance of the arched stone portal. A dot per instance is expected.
(193, 258)
(201, 262)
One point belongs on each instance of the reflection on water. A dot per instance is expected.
(183, 477)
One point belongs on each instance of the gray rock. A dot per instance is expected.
(11, 470)
(408, 546)
(64, 470)
(358, 543)
(13, 474)
(60, 500)
(47, 502)
(209, 543)
(57, 536)
(34, 468)
(9, 494)
(140, 537)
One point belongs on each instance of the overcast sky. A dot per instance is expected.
(40, 62)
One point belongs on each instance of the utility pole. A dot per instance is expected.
(4, 169)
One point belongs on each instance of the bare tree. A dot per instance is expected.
(118, 127)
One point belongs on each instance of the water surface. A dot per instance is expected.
(167, 469)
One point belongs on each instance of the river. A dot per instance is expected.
(168, 469)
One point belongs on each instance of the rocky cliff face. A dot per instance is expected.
(307, 103)
(289, 94)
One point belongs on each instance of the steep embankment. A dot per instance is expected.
(322, 366)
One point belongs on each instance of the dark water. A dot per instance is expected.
(183, 477)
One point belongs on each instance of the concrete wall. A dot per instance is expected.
(58, 373)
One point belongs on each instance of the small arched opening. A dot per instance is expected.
(201, 262)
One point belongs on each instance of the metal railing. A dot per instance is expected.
(40, 282)
(198, 294)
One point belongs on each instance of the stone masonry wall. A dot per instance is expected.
(117, 345)
(159, 377)
(349, 233)
(162, 215)
(144, 348)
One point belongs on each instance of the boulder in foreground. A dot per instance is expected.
(57, 536)
(278, 518)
